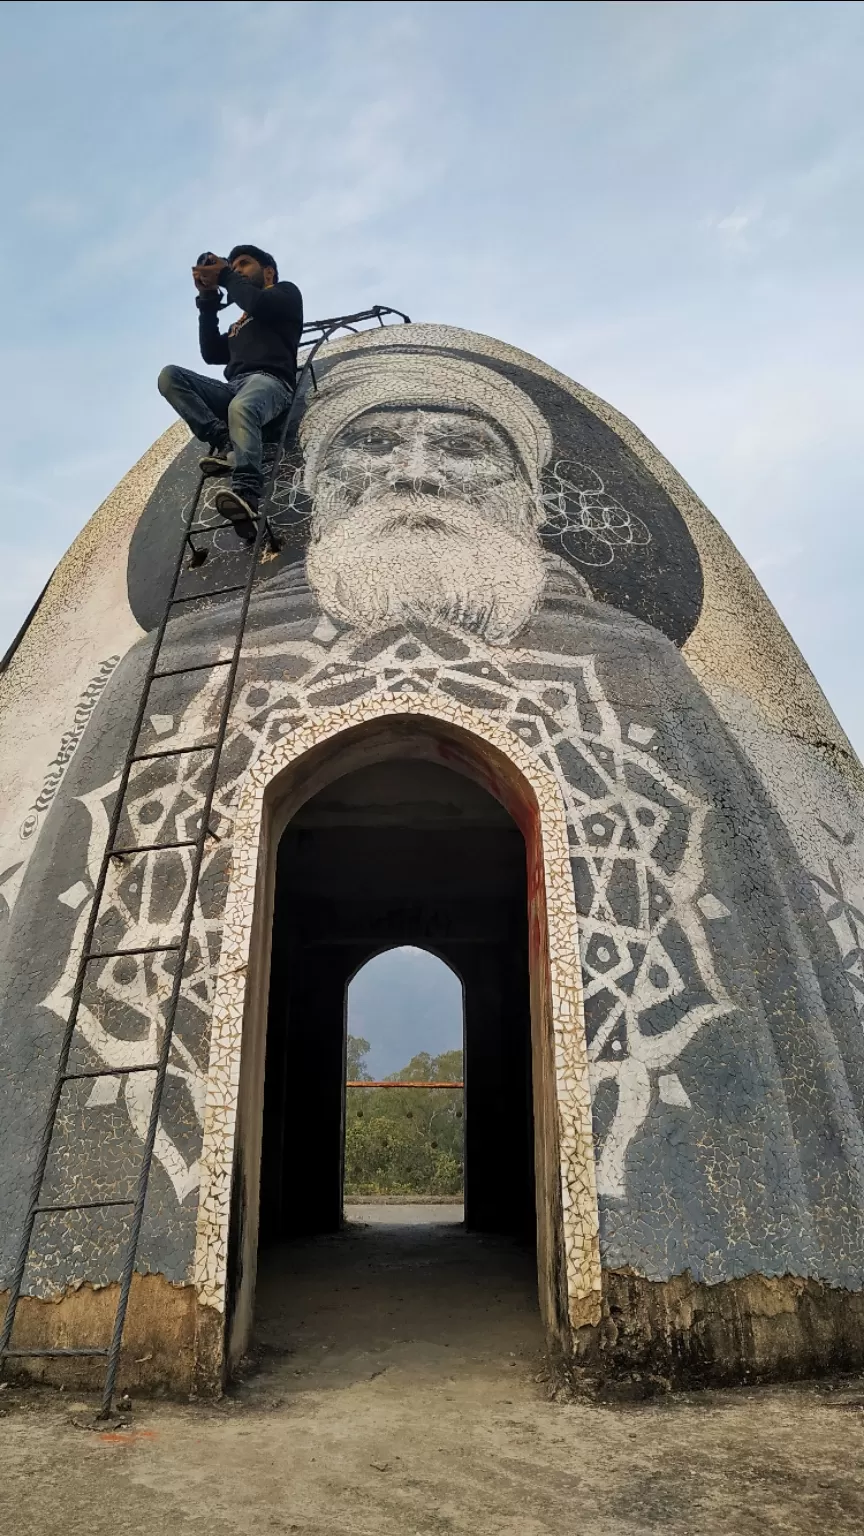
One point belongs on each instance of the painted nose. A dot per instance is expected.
(413, 469)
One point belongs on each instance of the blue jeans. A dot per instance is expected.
(238, 409)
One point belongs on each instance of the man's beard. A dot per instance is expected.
(408, 557)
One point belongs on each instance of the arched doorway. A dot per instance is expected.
(434, 728)
(399, 853)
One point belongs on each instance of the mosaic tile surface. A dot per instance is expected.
(460, 524)
(572, 1085)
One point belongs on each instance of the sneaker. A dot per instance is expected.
(241, 511)
(216, 461)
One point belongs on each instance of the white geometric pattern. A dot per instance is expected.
(636, 844)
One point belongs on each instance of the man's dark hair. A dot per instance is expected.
(263, 258)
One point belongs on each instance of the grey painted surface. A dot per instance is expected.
(717, 867)
(757, 1161)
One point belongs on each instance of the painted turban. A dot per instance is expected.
(360, 381)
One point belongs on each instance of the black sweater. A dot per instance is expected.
(264, 340)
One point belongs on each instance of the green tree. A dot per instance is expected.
(423, 1068)
(405, 1141)
(355, 1063)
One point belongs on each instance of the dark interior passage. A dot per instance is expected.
(460, 1299)
(404, 852)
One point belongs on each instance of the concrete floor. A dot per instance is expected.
(395, 1392)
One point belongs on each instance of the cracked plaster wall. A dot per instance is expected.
(713, 808)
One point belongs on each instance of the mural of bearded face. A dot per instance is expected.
(426, 515)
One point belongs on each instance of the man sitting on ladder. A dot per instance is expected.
(260, 350)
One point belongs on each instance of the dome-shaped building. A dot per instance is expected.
(505, 690)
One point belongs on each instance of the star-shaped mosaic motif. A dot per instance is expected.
(636, 854)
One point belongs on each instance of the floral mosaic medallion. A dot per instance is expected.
(636, 852)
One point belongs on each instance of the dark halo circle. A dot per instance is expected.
(656, 577)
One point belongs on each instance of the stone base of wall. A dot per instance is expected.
(159, 1340)
(678, 1332)
(654, 1334)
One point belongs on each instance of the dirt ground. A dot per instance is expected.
(395, 1392)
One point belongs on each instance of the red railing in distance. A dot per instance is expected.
(397, 1084)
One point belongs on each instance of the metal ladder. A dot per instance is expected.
(315, 334)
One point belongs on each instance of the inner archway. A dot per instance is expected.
(405, 1131)
(400, 853)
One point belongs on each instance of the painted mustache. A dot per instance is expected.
(416, 519)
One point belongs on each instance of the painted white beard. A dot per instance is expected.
(428, 559)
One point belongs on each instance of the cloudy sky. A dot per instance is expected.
(663, 200)
(405, 1001)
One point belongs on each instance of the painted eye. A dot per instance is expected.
(373, 440)
(464, 447)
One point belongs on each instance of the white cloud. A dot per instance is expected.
(664, 201)
(733, 225)
(55, 211)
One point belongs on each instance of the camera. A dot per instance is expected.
(206, 259)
